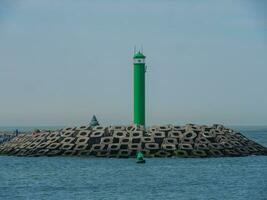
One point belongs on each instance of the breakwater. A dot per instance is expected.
(125, 141)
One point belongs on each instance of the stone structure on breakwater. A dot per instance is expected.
(125, 141)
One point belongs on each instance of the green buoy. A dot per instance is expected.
(140, 158)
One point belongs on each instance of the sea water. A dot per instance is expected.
(78, 178)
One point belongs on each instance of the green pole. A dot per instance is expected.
(139, 88)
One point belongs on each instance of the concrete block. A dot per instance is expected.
(36, 140)
(117, 128)
(136, 140)
(119, 134)
(125, 140)
(34, 135)
(226, 145)
(66, 146)
(168, 147)
(99, 128)
(199, 153)
(53, 135)
(81, 140)
(136, 134)
(147, 140)
(27, 138)
(242, 150)
(124, 153)
(206, 128)
(215, 146)
(67, 134)
(218, 126)
(134, 127)
(55, 139)
(22, 152)
(136, 147)
(218, 132)
(112, 147)
(83, 128)
(97, 147)
(165, 128)
(14, 151)
(221, 138)
(95, 137)
(215, 153)
(170, 141)
(43, 145)
(41, 152)
(24, 145)
(259, 147)
(68, 140)
(131, 128)
(175, 134)
(189, 135)
(80, 147)
(53, 146)
(97, 134)
(176, 128)
(158, 134)
(201, 146)
(196, 128)
(153, 129)
(7, 150)
(152, 146)
(106, 140)
(67, 129)
(181, 153)
(189, 127)
(32, 145)
(185, 146)
(208, 134)
(83, 133)
(187, 141)
(252, 149)
(202, 140)
(235, 143)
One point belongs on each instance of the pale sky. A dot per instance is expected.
(63, 61)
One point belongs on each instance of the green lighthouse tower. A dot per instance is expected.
(139, 88)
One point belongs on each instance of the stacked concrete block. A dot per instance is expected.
(185, 141)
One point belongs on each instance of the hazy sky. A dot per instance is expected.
(63, 61)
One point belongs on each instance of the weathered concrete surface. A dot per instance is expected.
(124, 141)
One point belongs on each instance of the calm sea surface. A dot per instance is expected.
(96, 178)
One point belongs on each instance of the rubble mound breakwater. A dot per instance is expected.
(125, 141)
